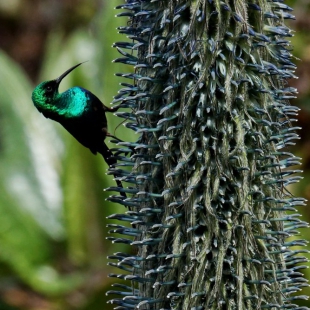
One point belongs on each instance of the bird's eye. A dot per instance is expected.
(49, 89)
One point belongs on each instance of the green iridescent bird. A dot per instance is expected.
(80, 112)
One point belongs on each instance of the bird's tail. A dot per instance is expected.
(111, 161)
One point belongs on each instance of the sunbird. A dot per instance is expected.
(80, 112)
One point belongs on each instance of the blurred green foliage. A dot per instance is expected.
(53, 231)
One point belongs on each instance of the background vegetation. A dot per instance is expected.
(53, 231)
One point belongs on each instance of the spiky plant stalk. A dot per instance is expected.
(208, 199)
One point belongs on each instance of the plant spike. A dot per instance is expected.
(208, 205)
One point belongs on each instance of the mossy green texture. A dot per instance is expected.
(210, 100)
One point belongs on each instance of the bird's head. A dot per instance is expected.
(46, 93)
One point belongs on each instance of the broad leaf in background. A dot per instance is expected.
(31, 195)
(52, 187)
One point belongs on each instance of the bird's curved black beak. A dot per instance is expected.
(59, 79)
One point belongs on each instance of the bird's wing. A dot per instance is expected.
(99, 108)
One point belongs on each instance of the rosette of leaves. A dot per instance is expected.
(211, 215)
